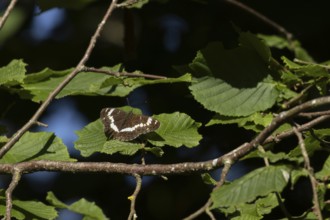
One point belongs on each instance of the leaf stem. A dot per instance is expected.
(118, 74)
(132, 215)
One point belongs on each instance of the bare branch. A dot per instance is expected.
(310, 170)
(132, 215)
(263, 18)
(314, 114)
(303, 127)
(9, 201)
(116, 73)
(10, 7)
(57, 90)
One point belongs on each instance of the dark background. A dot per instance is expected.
(158, 36)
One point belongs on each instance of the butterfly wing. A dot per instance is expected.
(124, 126)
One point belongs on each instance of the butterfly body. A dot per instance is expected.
(124, 126)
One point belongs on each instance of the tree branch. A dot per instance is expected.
(132, 214)
(263, 18)
(9, 201)
(57, 90)
(207, 205)
(10, 7)
(116, 73)
(317, 208)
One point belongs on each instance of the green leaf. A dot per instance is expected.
(274, 41)
(124, 148)
(312, 70)
(296, 174)
(52, 199)
(14, 213)
(90, 139)
(27, 209)
(311, 143)
(246, 217)
(218, 96)
(255, 210)
(255, 122)
(275, 157)
(115, 86)
(38, 85)
(37, 146)
(324, 173)
(175, 130)
(281, 43)
(208, 179)
(3, 139)
(88, 209)
(138, 4)
(36, 209)
(259, 182)
(13, 73)
(84, 207)
(237, 81)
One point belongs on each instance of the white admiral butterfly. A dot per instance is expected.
(125, 126)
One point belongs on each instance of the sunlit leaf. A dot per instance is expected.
(259, 182)
(176, 129)
(89, 209)
(13, 73)
(37, 146)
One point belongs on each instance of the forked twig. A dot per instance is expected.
(206, 207)
(132, 214)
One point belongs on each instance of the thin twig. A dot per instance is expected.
(298, 98)
(9, 192)
(262, 150)
(116, 73)
(206, 207)
(303, 127)
(132, 214)
(314, 114)
(314, 183)
(327, 67)
(276, 26)
(10, 7)
(57, 90)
